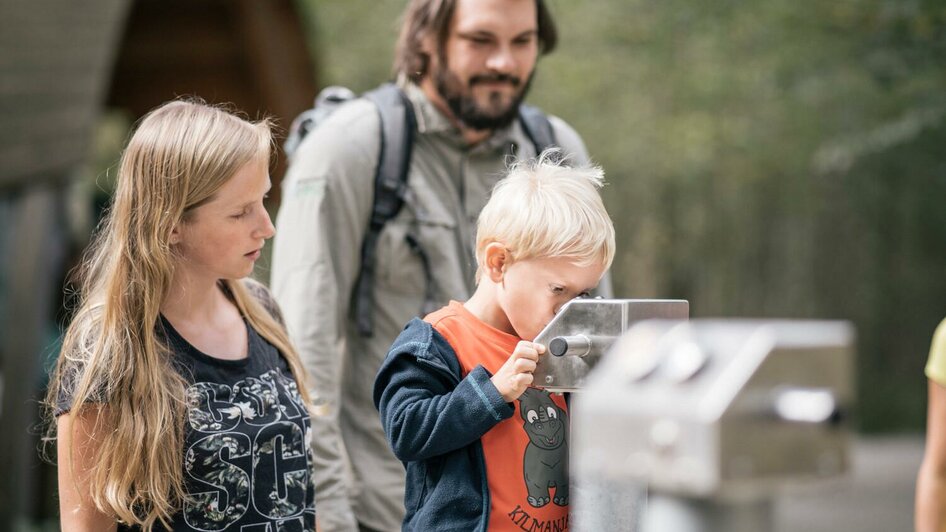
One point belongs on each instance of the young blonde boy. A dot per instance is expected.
(482, 448)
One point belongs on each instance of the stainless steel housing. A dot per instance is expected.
(725, 410)
(584, 329)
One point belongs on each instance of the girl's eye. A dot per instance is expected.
(557, 289)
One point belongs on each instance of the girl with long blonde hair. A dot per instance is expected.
(178, 401)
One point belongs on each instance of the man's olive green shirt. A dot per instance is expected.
(326, 205)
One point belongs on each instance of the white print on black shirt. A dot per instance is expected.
(254, 453)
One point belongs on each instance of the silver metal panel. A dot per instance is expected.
(601, 322)
(718, 409)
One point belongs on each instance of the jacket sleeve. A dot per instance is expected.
(424, 413)
(326, 204)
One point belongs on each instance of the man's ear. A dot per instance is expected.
(428, 43)
(495, 260)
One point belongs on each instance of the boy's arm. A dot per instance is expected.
(425, 416)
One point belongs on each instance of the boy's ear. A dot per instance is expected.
(495, 259)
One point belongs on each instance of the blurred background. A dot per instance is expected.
(776, 158)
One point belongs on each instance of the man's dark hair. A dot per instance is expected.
(424, 17)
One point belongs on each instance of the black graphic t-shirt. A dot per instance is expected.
(246, 458)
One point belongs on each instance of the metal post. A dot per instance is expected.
(682, 514)
(714, 415)
(601, 505)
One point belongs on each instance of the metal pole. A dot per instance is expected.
(666, 513)
(601, 505)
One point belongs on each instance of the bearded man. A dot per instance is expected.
(465, 67)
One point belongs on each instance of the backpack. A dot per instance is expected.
(398, 126)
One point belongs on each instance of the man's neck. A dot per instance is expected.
(472, 137)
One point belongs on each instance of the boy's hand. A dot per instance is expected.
(516, 374)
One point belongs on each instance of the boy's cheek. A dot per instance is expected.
(537, 328)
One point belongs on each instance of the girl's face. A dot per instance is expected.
(222, 238)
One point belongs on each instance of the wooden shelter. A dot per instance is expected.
(249, 53)
(61, 65)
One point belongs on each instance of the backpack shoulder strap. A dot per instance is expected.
(328, 100)
(537, 127)
(398, 125)
(397, 138)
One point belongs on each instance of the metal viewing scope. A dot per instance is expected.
(714, 416)
(584, 329)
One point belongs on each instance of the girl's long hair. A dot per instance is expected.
(178, 157)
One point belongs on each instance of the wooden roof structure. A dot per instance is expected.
(246, 52)
(61, 63)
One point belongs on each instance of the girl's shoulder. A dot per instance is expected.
(264, 297)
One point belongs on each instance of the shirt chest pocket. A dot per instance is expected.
(411, 247)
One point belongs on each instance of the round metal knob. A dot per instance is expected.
(579, 345)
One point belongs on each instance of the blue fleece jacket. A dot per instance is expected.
(434, 418)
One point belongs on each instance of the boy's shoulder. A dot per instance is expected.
(472, 341)
(456, 324)
(443, 317)
(421, 339)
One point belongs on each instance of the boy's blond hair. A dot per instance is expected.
(544, 209)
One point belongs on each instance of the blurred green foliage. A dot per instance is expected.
(776, 158)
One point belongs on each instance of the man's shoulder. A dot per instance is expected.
(561, 127)
(352, 129)
(358, 114)
(569, 139)
(564, 135)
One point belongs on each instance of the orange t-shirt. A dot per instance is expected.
(527, 454)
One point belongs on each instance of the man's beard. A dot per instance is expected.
(463, 105)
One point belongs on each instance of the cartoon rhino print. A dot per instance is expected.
(545, 463)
